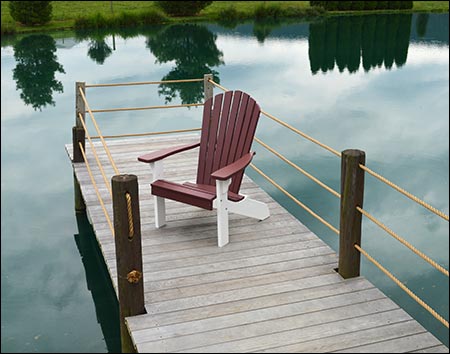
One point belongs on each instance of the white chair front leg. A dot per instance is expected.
(222, 211)
(159, 203)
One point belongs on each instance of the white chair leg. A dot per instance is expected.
(159, 203)
(160, 211)
(222, 212)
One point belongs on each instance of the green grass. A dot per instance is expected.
(430, 6)
(65, 13)
(248, 7)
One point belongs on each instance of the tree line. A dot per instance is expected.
(344, 42)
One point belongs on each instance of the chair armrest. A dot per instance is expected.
(161, 154)
(229, 171)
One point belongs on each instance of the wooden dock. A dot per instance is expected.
(273, 288)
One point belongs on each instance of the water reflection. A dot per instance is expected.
(99, 50)
(421, 24)
(35, 70)
(263, 28)
(342, 41)
(385, 118)
(99, 284)
(194, 50)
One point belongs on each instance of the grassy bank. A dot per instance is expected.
(66, 14)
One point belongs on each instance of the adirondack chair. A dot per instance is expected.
(228, 128)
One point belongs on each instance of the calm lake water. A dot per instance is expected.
(375, 83)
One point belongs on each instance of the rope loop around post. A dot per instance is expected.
(130, 216)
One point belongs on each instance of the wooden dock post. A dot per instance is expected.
(127, 235)
(208, 87)
(352, 193)
(80, 107)
(78, 135)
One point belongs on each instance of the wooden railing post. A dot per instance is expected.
(80, 107)
(208, 86)
(78, 136)
(352, 193)
(127, 235)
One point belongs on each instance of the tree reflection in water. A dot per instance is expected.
(36, 66)
(343, 41)
(194, 50)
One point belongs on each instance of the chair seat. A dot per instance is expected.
(200, 195)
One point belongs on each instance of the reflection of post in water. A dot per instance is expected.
(99, 284)
(36, 66)
(379, 39)
(194, 50)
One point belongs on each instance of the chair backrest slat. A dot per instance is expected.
(212, 137)
(230, 128)
(229, 125)
(204, 140)
(222, 130)
(247, 143)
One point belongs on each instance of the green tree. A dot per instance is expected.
(358, 5)
(31, 13)
(391, 40)
(330, 43)
(182, 8)
(402, 40)
(370, 5)
(194, 50)
(379, 39)
(35, 70)
(316, 46)
(368, 42)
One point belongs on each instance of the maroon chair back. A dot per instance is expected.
(229, 125)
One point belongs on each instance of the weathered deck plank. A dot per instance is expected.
(273, 288)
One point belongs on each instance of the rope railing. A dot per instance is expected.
(105, 146)
(404, 242)
(323, 221)
(337, 153)
(94, 184)
(131, 230)
(295, 130)
(290, 127)
(145, 108)
(143, 83)
(298, 168)
(147, 134)
(404, 192)
(217, 85)
(94, 151)
(403, 287)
